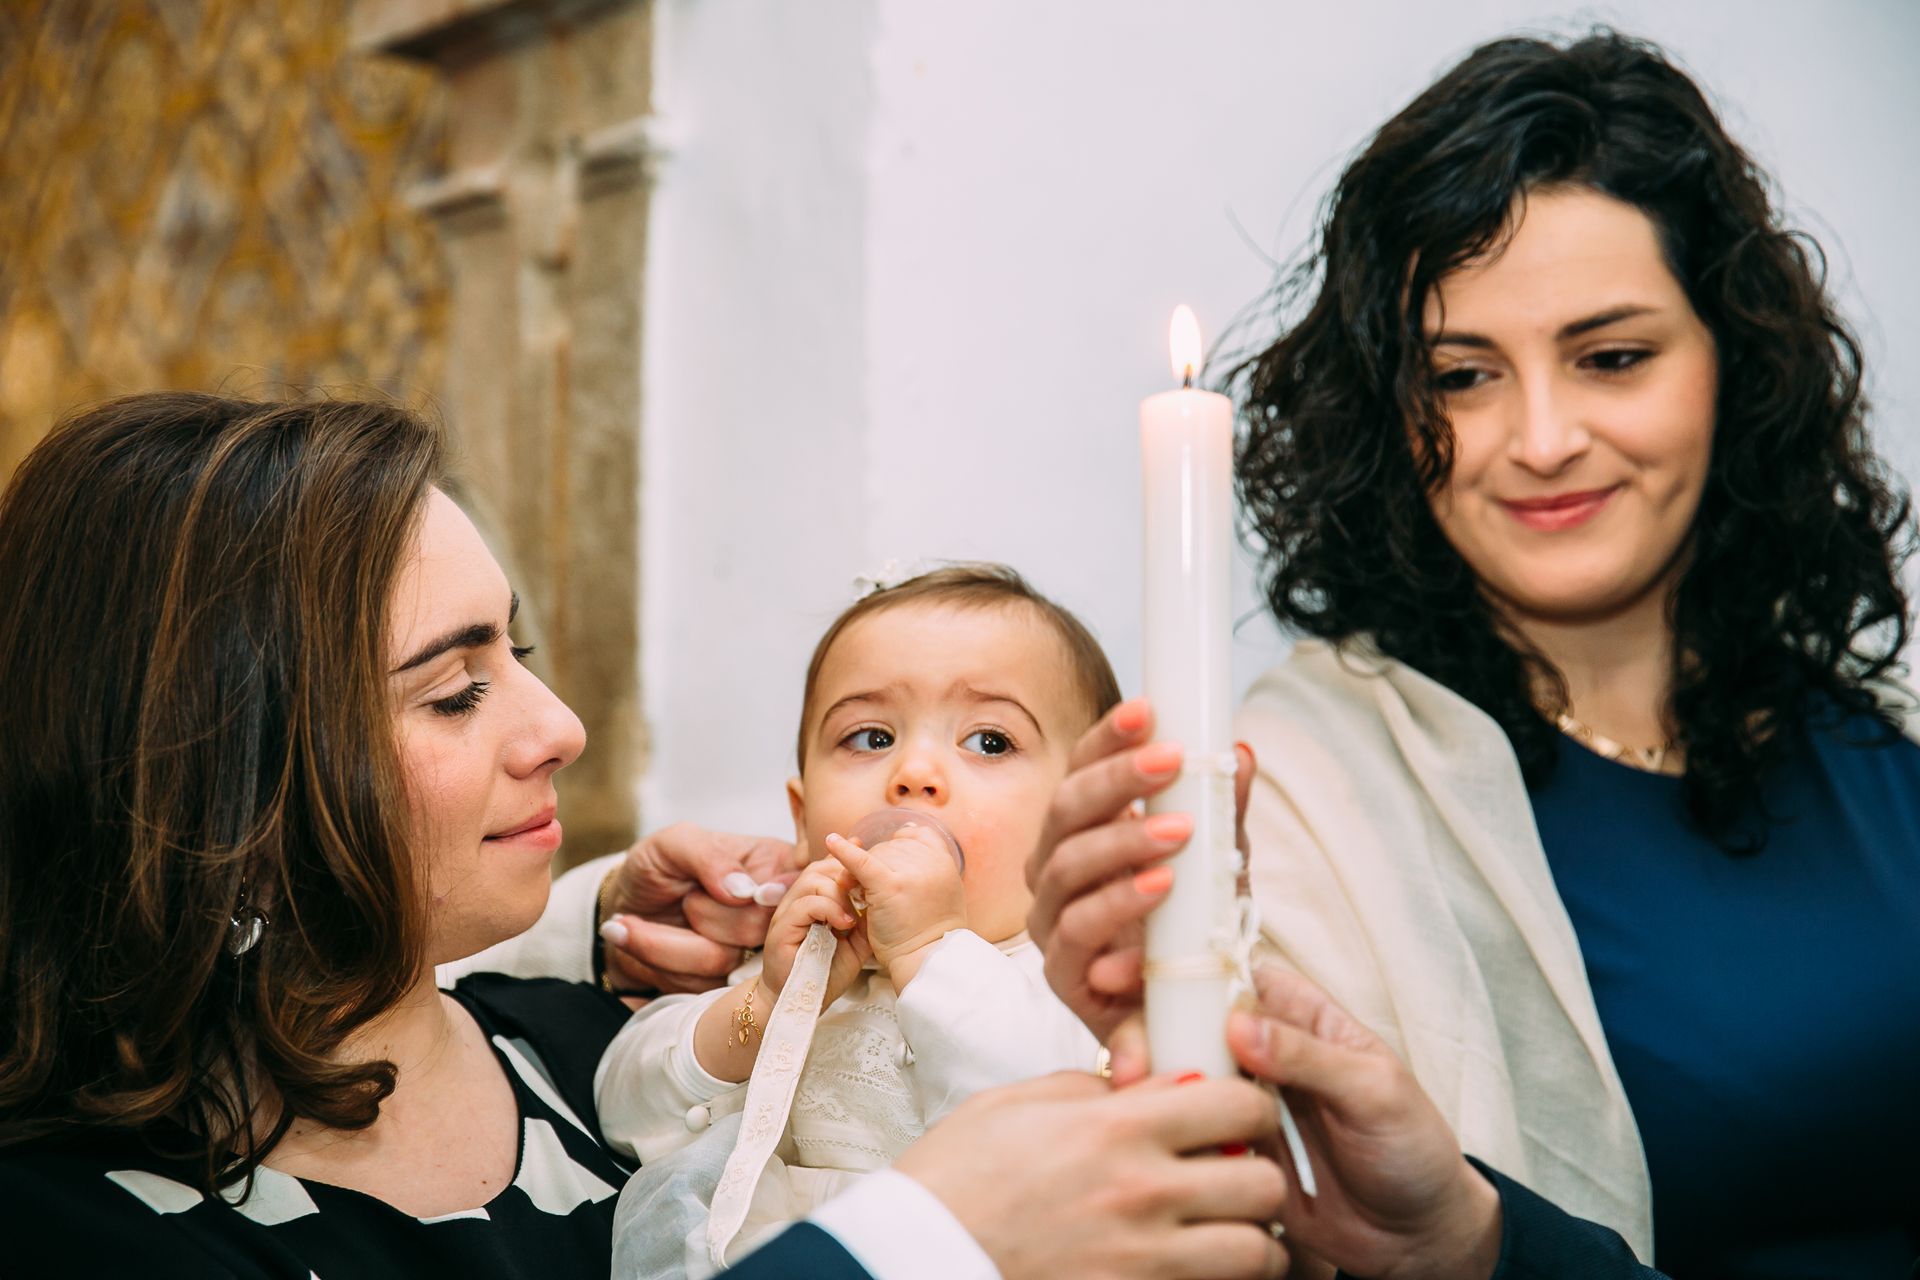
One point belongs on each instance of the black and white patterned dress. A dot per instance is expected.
(107, 1207)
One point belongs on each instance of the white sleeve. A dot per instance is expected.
(975, 1017)
(561, 942)
(649, 1082)
(899, 1230)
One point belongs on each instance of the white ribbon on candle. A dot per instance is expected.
(1243, 985)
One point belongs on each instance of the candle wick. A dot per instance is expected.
(1186, 379)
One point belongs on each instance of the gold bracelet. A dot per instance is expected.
(744, 1027)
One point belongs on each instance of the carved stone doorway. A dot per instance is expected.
(542, 211)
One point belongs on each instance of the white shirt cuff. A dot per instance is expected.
(683, 1064)
(899, 1230)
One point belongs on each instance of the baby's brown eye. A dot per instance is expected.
(868, 740)
(987, 742)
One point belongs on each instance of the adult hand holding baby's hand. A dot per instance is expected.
(680, 909)
(912, 892)
(822, 895)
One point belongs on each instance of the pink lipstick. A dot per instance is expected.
(1561, 510)
(541, 831)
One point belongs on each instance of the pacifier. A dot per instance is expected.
(883, 824)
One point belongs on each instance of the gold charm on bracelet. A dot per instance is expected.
(744, 1027)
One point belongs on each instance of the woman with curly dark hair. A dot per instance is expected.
(1585, 786)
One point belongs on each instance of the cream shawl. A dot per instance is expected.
(1395, 862)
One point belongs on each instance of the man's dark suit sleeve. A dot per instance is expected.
(1539, 1241)
(801, 1252)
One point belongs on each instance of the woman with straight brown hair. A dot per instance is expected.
(270, 756)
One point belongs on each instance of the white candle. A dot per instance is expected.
(1186, 448)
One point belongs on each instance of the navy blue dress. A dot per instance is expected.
(1764, 1011)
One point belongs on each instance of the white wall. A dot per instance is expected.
(913, 264)
(755, 387)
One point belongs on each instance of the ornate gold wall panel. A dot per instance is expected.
(208, 194)
(253, 194)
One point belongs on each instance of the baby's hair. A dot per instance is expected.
(976, 585)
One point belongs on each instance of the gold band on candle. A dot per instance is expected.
(1177, 967)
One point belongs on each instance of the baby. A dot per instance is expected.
(936, 713)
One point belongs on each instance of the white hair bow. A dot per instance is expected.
(889, 576)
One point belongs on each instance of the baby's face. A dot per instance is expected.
(965, 713)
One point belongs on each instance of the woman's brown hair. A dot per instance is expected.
(192, 684)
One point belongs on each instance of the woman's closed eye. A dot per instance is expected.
(988, 742)
(868, 738)
(465, 701)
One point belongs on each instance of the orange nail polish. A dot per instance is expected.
(1153, 881)
(1130, 717)
(1168, 828)
(1158, 758)
(1188, 1077)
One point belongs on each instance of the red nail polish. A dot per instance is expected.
(1233, 1148)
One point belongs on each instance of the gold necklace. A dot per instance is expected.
(1645, 759)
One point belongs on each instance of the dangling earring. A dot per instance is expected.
(245, 926)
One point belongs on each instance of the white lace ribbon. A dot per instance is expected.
(776, 1074)
(783, 1055)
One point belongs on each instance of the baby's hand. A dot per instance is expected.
(913, 895)
(820, 895)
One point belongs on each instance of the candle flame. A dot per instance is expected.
(1184, 340)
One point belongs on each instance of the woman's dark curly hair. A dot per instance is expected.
(1792, 584)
